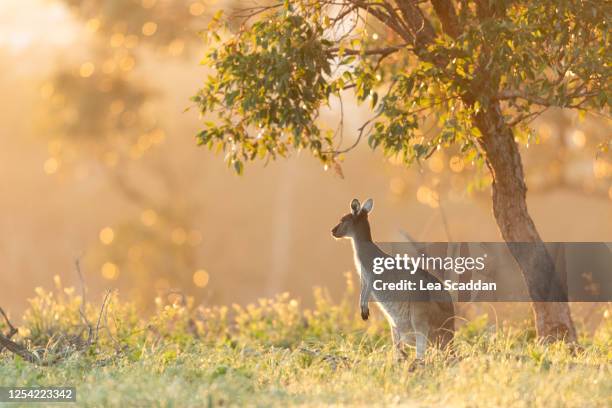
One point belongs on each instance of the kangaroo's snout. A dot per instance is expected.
(334, 231)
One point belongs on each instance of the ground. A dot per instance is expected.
(275, 353)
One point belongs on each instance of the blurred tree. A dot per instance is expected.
(480, 70)
(158, 23)
(100, 109)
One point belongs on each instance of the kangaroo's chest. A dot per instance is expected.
(363, 266)
(359, 266)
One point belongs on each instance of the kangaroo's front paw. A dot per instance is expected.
(415, 364)
(365, 313)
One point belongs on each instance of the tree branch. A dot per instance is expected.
(12, 329)
(448, 17)
(386, 15)
(509, 94)
(530, 115)
(20, 351)
(373, 51)
(420, 27)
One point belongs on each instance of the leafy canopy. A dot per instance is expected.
(418, 64)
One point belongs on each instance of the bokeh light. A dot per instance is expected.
(107, 235)
(149, 28)
(578, 138)
(110, 271)
(200, 278)
(51, 165)
(426, 195)
(179, 236)
(602, 169)
(92, 25)
(117, 40)
(197, 8)
(87, 69)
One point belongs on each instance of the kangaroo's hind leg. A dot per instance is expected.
(398, 351)
(421, 342)
(420, 325)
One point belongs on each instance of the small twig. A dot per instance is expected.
(12, 329)
(77, 263)
(106, 296)
(340, 128)
(108, 331)
(361, 131)
(344, 13)
(530, 115)
(247, 13)
(92, 336)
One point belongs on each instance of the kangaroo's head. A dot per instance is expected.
(355, 224)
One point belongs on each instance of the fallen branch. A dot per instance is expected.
(12, 329)
(33, 357)
(21, 351)
(10, 345)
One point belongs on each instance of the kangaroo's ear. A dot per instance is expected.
(355, 206)
(367, 206)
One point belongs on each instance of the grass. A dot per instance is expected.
(275, 353)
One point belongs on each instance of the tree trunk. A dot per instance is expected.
(552, 319)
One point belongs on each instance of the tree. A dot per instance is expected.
(479, 70)
(101, 111)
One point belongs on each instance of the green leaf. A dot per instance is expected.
(238, 167)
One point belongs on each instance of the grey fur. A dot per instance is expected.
(429, 323)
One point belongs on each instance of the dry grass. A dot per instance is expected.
(276, 353)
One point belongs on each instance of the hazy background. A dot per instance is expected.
(98, 161)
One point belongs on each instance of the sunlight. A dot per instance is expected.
(35, 23)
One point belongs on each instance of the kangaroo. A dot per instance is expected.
(428, 322)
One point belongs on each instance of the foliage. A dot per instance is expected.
(432, 65)
(281, 99)
(275, 352)
(98, 112)
(104, 110)
(158, 22)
